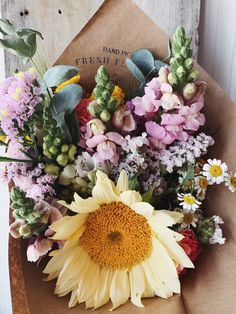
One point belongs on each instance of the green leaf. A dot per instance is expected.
(159, 64)
(144, 60)
(189, 174)
(6, 28)
(17, 46)
(7, 159)
(73, 126)
(61, 123)
(58, 74)
(28, 32)
(135, 70)
(66, 100)
(147, 196)
(134, 183)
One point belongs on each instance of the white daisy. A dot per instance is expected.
(201, 184)
(231, 182)
(188, 202)
(218, 235)
(215, 171)
(189, 219)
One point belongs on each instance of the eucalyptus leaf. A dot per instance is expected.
(144, 60)
(73, 126)
(133, 68)
(159, 64)
(6, 28)
(59, 73)
(66, 100)
(61, 123)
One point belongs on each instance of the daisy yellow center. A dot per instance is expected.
(188, 218)
(188, 199)
(203, 183)
(233, 181)
(216, 171)
(116, 237)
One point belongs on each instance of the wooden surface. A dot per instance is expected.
(59, 21)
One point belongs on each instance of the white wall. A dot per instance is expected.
(217, 50)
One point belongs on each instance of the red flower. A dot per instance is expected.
(82, 112)
(191, 247)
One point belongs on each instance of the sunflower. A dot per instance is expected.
(116, 247)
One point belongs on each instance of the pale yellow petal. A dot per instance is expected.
(122, 182)
(120, 288)
(137, 285)
(67, 226)
(104, 189)
(157, 226)
(165, 267)
(143, 208)
(81, 205)
(167, 218)
(130, 197)
(175, 250)
(73, 298)
(154, 282)
(102, 294)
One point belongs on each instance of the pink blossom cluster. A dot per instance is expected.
(18, 97)
(170, 115)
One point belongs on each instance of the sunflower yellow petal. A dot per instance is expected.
(130, 197)
(67, 226)
(165, 268)
(120, 288)
(102, 294)
(137, 285)
(154, 282)
(175, 250)
(143, 208)
(167, 218)
(81, 205)
(104, 189)
(73, 298)
(122, 182)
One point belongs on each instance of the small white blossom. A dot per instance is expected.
(215, 171)
(188, 202)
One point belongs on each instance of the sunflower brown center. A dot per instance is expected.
(117, 237)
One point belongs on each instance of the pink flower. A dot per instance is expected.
(124, 120)
(159, 137)
(38, 249)
(150, 102)
(170, 100)
(193, 118)
(173, 125)
(106, 146)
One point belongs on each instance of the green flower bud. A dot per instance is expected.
(57, 141)
(181, 72)
(62, 160)
(25, 230)
(52, 169)
(33, 217)
(205, 231)
(81, 182)
(184, 52)
(188, 64)
(189, 90)
(48, 154)
(54, 150)
(105, 116)
(193, 75)
(16, 193)
(109, 86)
(172, 79)
(112, 104)
(94, 108)
(72, 152)
(64, 148)
(100, 101)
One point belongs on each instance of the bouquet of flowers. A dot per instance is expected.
(110, 183)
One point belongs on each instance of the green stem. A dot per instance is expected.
(7, 159)
(3, 143)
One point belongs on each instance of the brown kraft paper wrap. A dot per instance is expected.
(117, 29)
